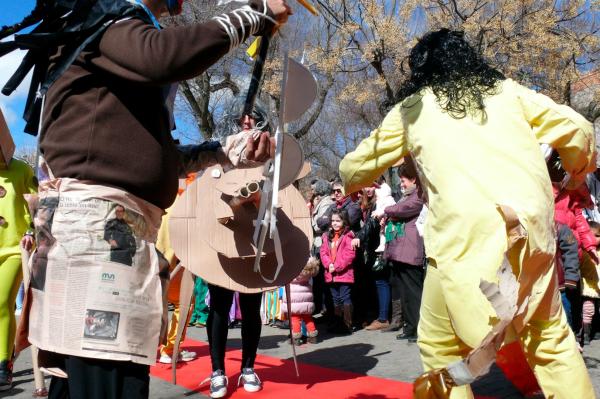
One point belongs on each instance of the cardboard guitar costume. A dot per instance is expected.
(224, 254)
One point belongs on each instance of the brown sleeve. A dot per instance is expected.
(137, 51)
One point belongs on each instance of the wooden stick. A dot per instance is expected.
(309, 7)
(40, 382)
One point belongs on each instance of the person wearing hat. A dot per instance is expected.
(16, 180)
(475, 138)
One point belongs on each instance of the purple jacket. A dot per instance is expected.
(301, 296)
(409, 248)
(344, 272)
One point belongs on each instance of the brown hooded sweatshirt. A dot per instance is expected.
(105, 119)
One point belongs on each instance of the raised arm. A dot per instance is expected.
(137, 51)
(382, 149)
(563, 129)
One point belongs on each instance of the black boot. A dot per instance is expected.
(5, 375)
(586, 332)
(396, 320)
(336, 320)
(348, 309)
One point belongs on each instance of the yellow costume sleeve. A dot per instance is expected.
(563, 129)
(163, 241)
(382, 149)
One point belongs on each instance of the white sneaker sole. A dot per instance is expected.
(185, 359)
(219, 394)
(252, 388)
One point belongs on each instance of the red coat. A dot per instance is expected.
(568, 205)
(344, 271)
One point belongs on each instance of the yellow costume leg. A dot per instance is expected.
(552, 353)
(173, 297)
(438, 343)
(10, 279)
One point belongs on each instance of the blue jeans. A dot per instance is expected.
(341, 293)
(567, 307)
(20, 297)
(384, 296)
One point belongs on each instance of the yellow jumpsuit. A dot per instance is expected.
(468, 167)
(163, 244)
(15, 181)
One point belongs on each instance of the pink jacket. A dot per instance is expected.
(301, 296)
(344, 271)
(568, 205)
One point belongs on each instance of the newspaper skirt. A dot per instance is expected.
(95, 289)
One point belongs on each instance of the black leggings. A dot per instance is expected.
(217, 325)
(101, 379)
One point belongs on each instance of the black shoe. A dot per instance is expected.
(6, 368)
(407, 336)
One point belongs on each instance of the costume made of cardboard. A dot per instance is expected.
(471, 168)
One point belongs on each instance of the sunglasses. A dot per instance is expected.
(337, 191)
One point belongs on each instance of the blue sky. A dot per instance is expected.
(12, 107)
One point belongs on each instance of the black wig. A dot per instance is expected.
(456, 73)
(40, 10)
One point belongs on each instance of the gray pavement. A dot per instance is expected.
(371, 353)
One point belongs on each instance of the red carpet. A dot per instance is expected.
(280, 381)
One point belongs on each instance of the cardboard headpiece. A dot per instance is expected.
(7, 145)
(211, 227)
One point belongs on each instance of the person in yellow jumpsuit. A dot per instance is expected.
(16, 180)
(475, 138)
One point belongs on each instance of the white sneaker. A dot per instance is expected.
(218, 384)
(250, 379)
(184, 356)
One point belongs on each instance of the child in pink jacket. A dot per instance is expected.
(337, 256)
(303, 305)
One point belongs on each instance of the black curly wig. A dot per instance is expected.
(458, 75)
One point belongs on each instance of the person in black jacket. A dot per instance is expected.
(567, 268)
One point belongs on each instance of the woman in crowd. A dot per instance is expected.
(405, 250)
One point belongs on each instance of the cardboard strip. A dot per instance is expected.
(7, 145)
(288, 301)
(40, 383)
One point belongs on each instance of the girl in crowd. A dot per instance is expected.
(303, 305)
(337, 256)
